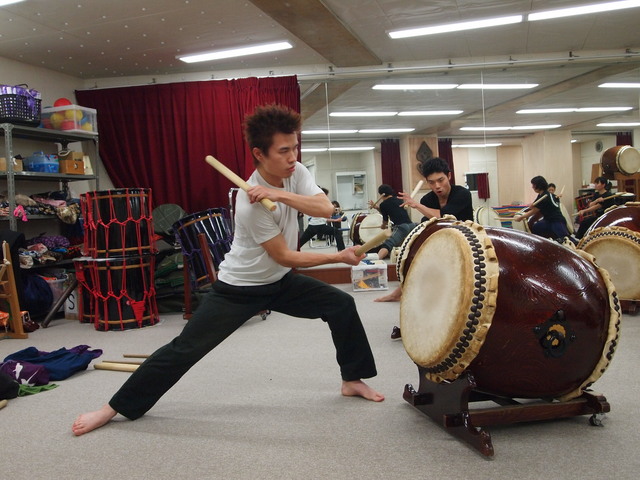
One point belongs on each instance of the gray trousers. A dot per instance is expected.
(225, 309)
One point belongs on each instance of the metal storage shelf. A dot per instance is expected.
(9, 132)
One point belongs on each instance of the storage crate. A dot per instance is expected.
(39, 162)
(19, 104)
(369, 276)
(70, 118)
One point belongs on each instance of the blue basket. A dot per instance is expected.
(19, 104)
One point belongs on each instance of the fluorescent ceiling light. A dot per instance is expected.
(477, 145)
(619, 85)
(350, 149)
(386, 130)
(456, 27)
(9, 2)
(326, 132)
(519, 127)
(585, 9)
(426, 113)
(416, 86)
(497, 86)
(362, 114)
(311, 150)
(620, 124)
(235, 52)
(569, 110)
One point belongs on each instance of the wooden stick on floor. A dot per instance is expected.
(118, 367)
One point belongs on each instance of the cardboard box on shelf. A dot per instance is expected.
(70, 118)
(17, 164)
(71, 163)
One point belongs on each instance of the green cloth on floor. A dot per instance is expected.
(31, 390)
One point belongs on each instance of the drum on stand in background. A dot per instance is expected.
(118, 223)
(622, 158)
(215, 224)
(528, 318)
(364, 227)
(485, 215)
(614, 241)
(122, 291)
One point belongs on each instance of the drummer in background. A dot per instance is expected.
(391, 209)
(336, 220)
(258, 274)
(553, 224)
(597, 204)
(552, 189)
(318, 226)
(443, 199)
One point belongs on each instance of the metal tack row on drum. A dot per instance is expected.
(117, 275)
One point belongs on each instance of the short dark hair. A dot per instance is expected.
(385, 189)
(605, 181)
(433, 165)
(539, 183)
(551, 185)
(267, 120)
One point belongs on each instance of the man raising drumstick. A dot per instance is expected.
(256, 275)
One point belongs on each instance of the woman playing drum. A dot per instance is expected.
(553, 224)
(597, 204)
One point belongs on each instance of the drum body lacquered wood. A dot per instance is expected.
(528, 317)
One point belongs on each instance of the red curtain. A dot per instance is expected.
(446, 153)
(391, 164)
(624, 138)
(157, 136)
(483, 185)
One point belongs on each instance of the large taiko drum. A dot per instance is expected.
(527, 317)
(364, 227)
(622, 158)
(215, 224)
(122, 291)
(614, 241)
(118, 223)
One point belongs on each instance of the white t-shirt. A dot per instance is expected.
(248, 263)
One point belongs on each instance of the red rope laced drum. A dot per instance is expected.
(122, 291)
(529, 318)
(364, 227)
(118, 223)
(215, 224)
(614, 241)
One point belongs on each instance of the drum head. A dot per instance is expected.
(448, 299)
(370, 227)
(617, 250)
(628, 160)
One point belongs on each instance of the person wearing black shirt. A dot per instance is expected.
(392, 209)
(597, 205)
(553, 224)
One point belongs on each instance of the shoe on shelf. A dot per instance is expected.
(395, 333)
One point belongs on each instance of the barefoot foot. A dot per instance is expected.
(392, 297)
(357, 388)
(92, 420)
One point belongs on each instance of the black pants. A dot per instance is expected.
(313, 230)
(224, 310)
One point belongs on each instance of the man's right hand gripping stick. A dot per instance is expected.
(374, 242)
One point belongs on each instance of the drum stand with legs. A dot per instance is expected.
(448, 405)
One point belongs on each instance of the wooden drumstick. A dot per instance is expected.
(135, 355)
(417, 189)
(235, 179)
(118, 367)
(619, 194)
(374, 242)
(377, 201)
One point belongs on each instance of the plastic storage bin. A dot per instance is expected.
(370, 276)
(41, 162)
(70, 118)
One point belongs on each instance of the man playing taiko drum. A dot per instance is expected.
(256, 275)
(443, 199)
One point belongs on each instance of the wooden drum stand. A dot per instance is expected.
(448, 404)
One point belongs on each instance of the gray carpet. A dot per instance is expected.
(266, 405)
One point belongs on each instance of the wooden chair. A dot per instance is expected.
(9, 293)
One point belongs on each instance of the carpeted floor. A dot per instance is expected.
(266, 405)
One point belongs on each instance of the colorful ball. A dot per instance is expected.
(56, 120)
(75, 115)
(61, 102)
(87, 126)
